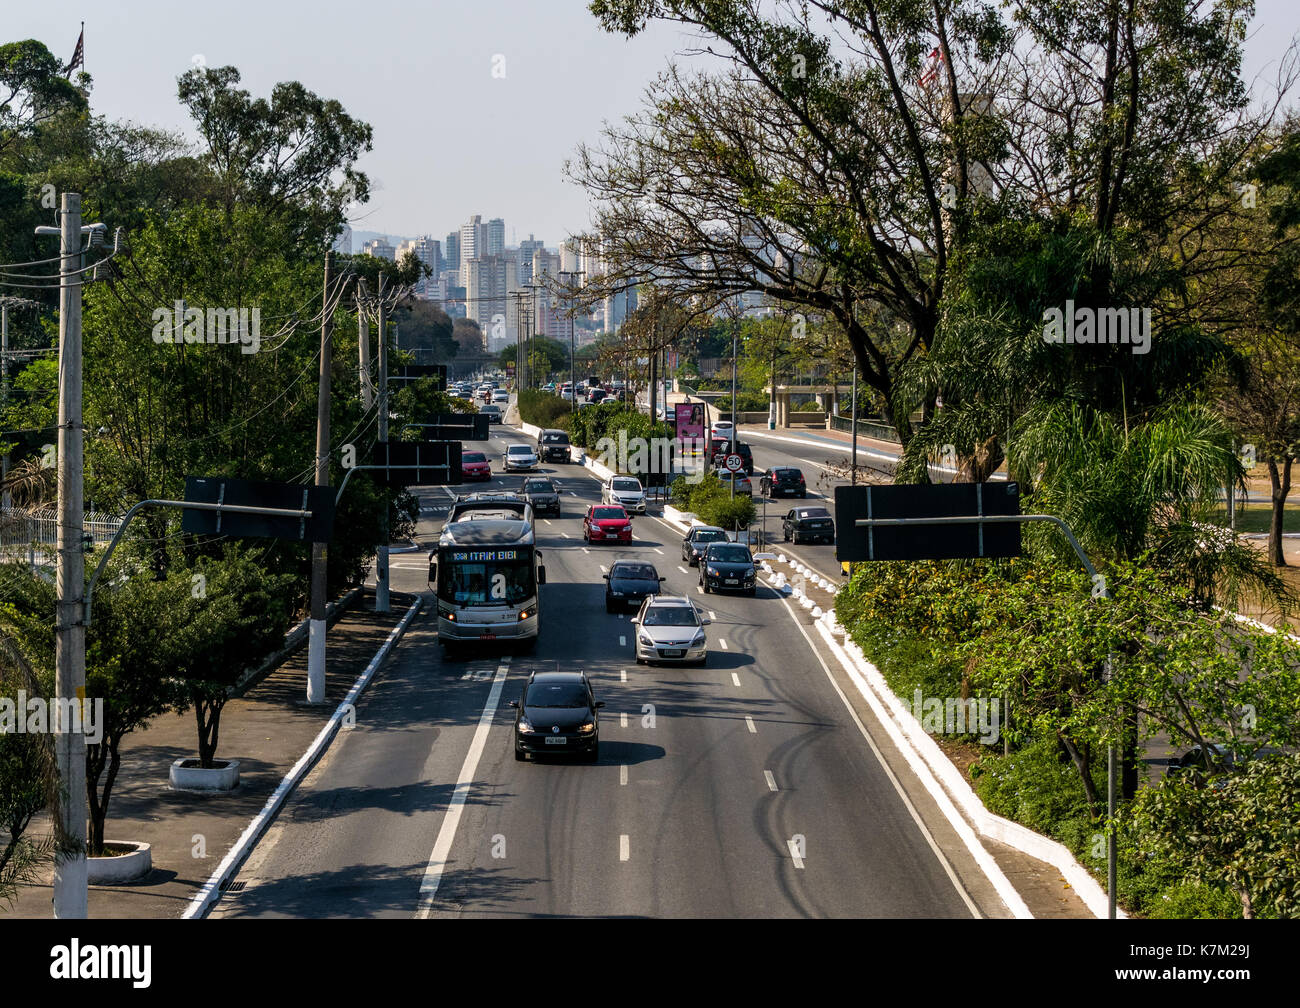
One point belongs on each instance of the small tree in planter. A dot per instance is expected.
(27, 784)
(235, 617)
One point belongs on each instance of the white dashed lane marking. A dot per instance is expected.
(749, 723)
(735, 679)
(771, 781)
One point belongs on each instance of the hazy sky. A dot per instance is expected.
(450, 138)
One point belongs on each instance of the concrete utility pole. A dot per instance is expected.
(381, 554)
(363, 348)
(320, 550)
(70, 897)
(853, 465)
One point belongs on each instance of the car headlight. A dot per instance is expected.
(711, 571)
(526, 613)
(699, 639)
(587, 729)
(524, 726)
(645, 640)
(450, 615)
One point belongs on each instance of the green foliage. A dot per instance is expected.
(711, 501)
(542, 409)
(26, 786)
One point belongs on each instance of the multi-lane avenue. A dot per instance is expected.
(755, 786)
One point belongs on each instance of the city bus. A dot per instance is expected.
(486, 572)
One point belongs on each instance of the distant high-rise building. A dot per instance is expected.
(569, 257)
(428, 251)
(496, 237)
(380, 249)
(452, 251)
(472, 242)
(492, 279)
(526, 249)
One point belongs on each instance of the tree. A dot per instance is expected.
(32, 90)
(27, 783)
(468, 335)
(426, 331)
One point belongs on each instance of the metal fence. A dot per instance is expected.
(867, 428)
(33, 534)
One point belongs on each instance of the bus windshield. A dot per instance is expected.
(489, 582)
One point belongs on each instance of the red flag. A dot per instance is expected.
(932, 64)
(79, 54)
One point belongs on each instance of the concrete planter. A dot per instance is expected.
(187, 775)
(122, 867)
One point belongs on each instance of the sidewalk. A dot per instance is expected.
(267, 729)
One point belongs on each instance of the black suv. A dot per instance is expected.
(542, 495)
(553, 446)
(783, 481)
(556, 713)
(722, 448)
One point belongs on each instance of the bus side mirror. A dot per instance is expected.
(541, 575)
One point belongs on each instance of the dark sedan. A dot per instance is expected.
(629, 582)
(557, 714)
(728, 566)
(808, 524)
(697, 541)
(783, 481)
(542, 495)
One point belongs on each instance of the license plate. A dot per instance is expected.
(611, 535)
(553, 740)
(732, 581)
(671, 653)
(487, 636)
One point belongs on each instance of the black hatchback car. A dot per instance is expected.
(808, 524)
(728, 566)
(697, 541)
(629, 582)
(557, 714)
(783, 481)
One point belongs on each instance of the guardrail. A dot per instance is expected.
(867, 428)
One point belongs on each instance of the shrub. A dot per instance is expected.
(728, 513)
(541, 408)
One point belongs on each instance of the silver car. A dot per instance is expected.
(669, 628)
(625, 490)
(519, 457)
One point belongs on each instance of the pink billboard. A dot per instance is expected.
(690, 427)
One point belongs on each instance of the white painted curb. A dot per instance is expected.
(211, 890)
(924, 754)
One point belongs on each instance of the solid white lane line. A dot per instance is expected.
(794, 853)
(451, 820)
(723, 642)
(622, 641)
(622, 775)
(735, 679)
(771, 781)
(622, 719)
(624, 847)
(749, 723)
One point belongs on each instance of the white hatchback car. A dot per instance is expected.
(721, 429)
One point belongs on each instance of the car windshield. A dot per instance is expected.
(729, 554)
(562, 694)
(634, 572)
(473, 457)
(671, 616)
(541, 486)
(626, 484)
(555, 439)
(490, 583)
(814, 513)
(708, 537)
(608, 512)
(519, 449)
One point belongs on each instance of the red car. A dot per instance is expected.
(606, 523)
(475, 466)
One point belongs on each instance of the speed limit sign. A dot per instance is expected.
(734, 463)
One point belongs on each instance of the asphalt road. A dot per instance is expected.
(742, 789)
